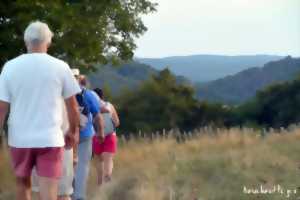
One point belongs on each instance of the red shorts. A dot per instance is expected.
(48, 161)
(109, 145)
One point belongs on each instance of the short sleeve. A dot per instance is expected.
(70, 85)
(96, 96)
(94, 105)
(4, 90)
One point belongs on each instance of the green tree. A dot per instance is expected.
(276, 106)
(160, 103)
(210, 114)
(86, 31)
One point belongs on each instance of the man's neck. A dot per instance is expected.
(36, 51)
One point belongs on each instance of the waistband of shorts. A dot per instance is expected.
(112, 133)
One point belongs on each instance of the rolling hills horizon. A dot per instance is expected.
(243, 85)
(232, 88)
(205, 67)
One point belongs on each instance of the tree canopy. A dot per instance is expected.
(85, 31)
(163, 103)
(160, 103)
(276, 106)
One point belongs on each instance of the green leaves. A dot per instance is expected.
(160, 103)
(277, 106)
(86, 31)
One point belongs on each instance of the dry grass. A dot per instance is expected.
(208, 168)
(7, 184)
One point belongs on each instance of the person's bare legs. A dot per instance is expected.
(35, 195)
(23, 188)
(107, 165)
(99, 168)
(48, 188)
(65, 197)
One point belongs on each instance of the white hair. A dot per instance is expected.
(37, 33)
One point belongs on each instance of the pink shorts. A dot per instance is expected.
(48, 161)
(109, 145)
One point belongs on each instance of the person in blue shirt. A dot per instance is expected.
(89, 115)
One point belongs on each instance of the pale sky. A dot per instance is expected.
(227, 27)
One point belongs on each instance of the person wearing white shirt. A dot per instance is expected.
(31, 88)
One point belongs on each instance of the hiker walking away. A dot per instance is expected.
(35, 137)
(105, 151)
(65, 183)
(89, 112)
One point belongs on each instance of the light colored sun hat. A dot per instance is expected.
(76, 72)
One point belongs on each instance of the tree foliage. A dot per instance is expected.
(160, 103)
(86, 31)
(276, 106)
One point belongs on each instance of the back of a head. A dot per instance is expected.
(99, 92)
(37, 33)
(82, 80)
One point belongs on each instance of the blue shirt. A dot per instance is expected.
(94, 107)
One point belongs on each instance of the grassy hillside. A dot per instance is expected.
(128, 76)
(117, 78)
(209, 167)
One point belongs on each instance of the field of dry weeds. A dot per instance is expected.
(231, 165)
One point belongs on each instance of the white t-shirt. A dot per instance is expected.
(65, 123)
(34, 85)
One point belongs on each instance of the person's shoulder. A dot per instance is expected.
(12, 64)
(95, 95)
(15, 60)
(58, 61)
(110, 105)
(107, 103)
(89, 93)
(93, 92)
(59, 66)
(102, 102)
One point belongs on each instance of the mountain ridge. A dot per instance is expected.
(205, 67)
(243, 85)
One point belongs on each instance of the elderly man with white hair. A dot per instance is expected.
(32, 87)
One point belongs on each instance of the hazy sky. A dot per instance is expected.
(228, 27)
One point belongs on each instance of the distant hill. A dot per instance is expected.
(244, 85)
(203, 68)
(127, 76)
(117, 78)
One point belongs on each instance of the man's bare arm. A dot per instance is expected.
(115, 117)
(73, 113)
(104, 109)
(75, 148)
(72, 137)
(100, 125)
(4, 106)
